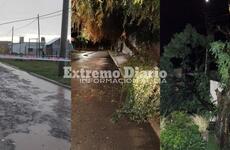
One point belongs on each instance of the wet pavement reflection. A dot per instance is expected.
(34, 114)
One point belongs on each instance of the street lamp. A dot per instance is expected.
(206, 1)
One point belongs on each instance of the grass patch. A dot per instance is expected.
(47, 69)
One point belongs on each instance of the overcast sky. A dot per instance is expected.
(20, 9)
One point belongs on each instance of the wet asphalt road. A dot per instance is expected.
(34, 114)
(93, 106)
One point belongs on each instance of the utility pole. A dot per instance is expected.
(12, 41)
(64, 33)
(207, 25)
(39, 36)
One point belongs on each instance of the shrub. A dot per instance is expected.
(143, 98)
(201, 122)
(180, 133)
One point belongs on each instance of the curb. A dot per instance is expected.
(154, 126)
(50, 80)
(111, 55)
(40, 77)
(116, 63)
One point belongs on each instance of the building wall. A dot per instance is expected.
(4, 47)
(26, 48)
(54, 49)
(214, 85)
(31, 48)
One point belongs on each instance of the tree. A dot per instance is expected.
(98, 20)
(91, 16)
(190, 91)
(221, 51)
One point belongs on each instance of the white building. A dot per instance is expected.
(29, 48)
(51, 48)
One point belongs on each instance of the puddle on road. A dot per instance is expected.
(38, 139)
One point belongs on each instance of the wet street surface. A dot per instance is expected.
(34, 114)
(93, 106)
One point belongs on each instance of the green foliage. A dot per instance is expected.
(137, 10)
(186, 94)
(191, 90)
(221, 51)
(143, 98)
(202, 90)
(189, 48)
(180, 133)
(184, 43)
(142, 11)
(82, 39)
(90, 16)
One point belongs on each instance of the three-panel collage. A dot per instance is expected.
(114, 74)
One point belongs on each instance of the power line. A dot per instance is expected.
(42, 17)
(27, 19)
(22, 20)
(51, 13)
(26, 25)
(51, 16)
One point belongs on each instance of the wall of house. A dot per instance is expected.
(54, 49)
(26, 48)
(214, 85)
(4, 47)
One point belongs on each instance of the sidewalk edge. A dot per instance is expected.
(116, 63)
(50, 80)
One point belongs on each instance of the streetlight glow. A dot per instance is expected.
(206, 1)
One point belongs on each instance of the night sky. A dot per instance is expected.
(176, 14)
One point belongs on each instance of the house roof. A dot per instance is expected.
(52, 41)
